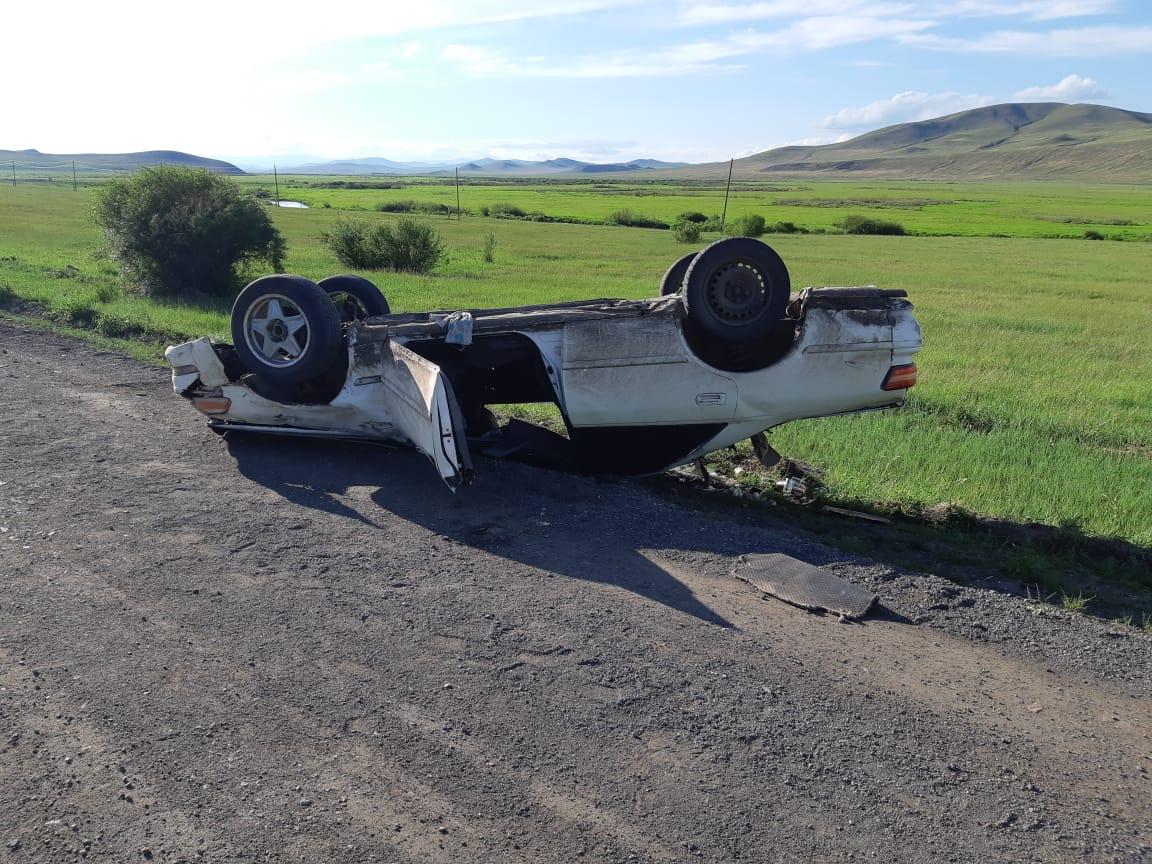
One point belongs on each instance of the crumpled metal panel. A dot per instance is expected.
(803, 585)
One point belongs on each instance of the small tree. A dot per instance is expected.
(408, 245)
(751, 225)
(185, 231)
(686, 232)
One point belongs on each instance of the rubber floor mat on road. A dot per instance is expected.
(803, 585)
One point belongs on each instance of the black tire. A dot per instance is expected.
(673, 279)
(736, 292)
(286, 331)
(355, 297)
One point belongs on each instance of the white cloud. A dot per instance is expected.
(689, 58)
(1072, 42)
(721, 13)
(906, 107)
(1070, 88)
(1037, 10)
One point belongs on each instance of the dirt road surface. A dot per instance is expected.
(267, 650)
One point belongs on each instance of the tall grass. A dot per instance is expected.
(1035, 400)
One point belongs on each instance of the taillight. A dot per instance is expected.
(900, 377)
(212, 404)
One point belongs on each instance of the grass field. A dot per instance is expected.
(1036, 394)
(929, 208)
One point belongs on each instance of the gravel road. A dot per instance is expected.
(267, 650)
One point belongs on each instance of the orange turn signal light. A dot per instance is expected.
(900, 377)
(212, 404)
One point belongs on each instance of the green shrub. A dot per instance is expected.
(506, 211)
(692, 216)
(407, 245)
(686, 232)
(634, 220)
(713, 223)
(1092, 234)
(490, 249)
(856, 224)
(77, 312)
(411, 206)
(106, 293)
(752, 225)
(185, 231)
(786, 228)
(118, 326)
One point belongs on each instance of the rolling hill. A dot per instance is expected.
(1040, 141)
(479, 167)
(34, 161)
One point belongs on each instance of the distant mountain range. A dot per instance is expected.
(1030, 140)
(87, 163)
(1039, 141)
(485, 167)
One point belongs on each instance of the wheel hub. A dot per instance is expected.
(276, 331)
(736, 293)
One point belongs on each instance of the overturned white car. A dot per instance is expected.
(726, 353)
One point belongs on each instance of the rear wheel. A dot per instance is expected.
(286, 330)
(735, 296)
(355, 297)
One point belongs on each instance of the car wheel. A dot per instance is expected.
(355, 297)
(286, 330)
(673, 279)
(736, 291)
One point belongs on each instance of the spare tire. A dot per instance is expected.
(673, 279)
(355, 297)
(736, 292)
(286, 330)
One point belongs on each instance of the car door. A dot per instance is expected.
(637, 371)
(421, 405)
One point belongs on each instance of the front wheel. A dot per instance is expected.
(286, 330)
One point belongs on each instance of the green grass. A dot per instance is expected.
(934, 208)
(1035, 402)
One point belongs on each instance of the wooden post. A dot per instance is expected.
(13, 173)
(724, 215)
(276, 179)
(73, 175)
(458, 216)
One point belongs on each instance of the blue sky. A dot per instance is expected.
(595, 79)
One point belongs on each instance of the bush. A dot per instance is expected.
(856, 224)
(407, 245)
(410, 206)
(185, 231)
(490, 249)
(786, 228)
(506, 211)
(1092, 234)
(692, 216)
(634, 220)
(752, 225)
(686, 232)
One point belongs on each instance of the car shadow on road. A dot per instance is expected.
(544, 519)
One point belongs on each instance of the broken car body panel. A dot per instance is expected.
(634, 395)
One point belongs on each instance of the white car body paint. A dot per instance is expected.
(612, 365)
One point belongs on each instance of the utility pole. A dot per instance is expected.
(13, 173)
(73, 175)
(724, 215)
(276, 179)
(458, 216)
